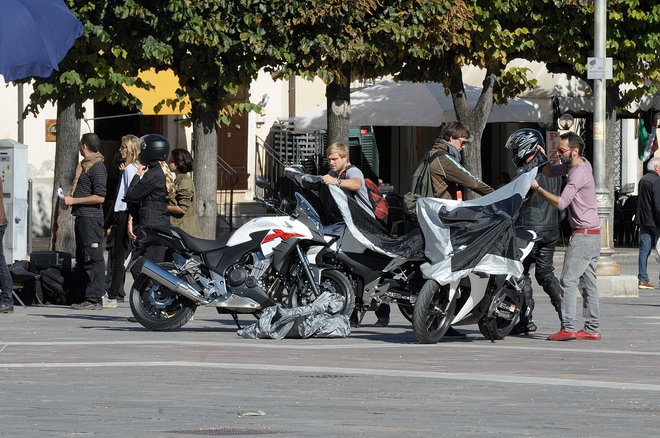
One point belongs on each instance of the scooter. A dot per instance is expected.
(493, 302)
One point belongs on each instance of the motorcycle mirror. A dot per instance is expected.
(263, 183)
(286, 205)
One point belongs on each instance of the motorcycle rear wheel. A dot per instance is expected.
(433, 313)
(331, 281)
(407, 311)
(495, 329)
(156, 307)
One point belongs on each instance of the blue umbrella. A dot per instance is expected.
(35, 35)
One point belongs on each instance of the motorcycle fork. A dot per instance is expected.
(308, 272)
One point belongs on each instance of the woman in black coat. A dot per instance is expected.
(148, 193)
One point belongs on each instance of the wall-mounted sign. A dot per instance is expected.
(51, 129)
(551, 143)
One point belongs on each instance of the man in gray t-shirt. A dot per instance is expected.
(349, 177)
(346, 176)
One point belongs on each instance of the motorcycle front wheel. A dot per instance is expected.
(331, 281)
(158, 308)
(433, 313)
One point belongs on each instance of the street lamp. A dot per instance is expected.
(565, 122)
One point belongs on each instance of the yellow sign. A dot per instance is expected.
(599, 131)
(51, 130)
(165, 85)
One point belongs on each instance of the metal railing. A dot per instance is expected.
(227, 179)
(270, 165)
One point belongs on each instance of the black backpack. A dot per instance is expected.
(62, 286)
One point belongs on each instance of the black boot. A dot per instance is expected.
(524, 327)
(557, 305)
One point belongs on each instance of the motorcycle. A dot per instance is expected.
(383, 269)
(493, 302)
(261, 264)
(472, 285)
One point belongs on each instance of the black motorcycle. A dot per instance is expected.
(383, 269)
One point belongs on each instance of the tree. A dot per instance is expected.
(216, 48)
(96, 68)
(489, 36)
(338, 40)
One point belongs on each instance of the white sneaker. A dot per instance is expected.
(108, 303)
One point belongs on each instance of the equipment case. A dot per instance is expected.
(40, 260)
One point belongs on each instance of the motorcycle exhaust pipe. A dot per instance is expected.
(161, 276)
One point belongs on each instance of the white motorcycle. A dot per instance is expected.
(261, 264)
(492, 302)
(475, 269)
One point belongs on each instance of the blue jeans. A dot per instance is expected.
(646, 235)
(579, 274)
(6, 284)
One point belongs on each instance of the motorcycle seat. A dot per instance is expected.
(195, 244)
(410, 245)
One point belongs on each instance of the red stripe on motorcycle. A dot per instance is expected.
(280, 234)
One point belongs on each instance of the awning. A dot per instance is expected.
(573, 94)
(390, 103)
(166, 84)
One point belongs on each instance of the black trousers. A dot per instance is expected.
(89, 255)
(544, 271)
(117, 252)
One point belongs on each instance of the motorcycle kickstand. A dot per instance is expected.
(359, 316)
(235, 317)
(492, 335)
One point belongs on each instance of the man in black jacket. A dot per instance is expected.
(648, 218)
(536, 215)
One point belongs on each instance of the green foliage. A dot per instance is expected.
(215, 48)
(105, 58)
(566, 40)
(317, 37)
(218, 47)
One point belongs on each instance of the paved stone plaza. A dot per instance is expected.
(67, 373)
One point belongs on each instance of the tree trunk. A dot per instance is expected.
(67, 155)
(475, 120)
(339, 107)
(205, 152)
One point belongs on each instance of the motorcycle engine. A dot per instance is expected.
(236, 275)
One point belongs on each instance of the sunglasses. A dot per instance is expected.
(562, 151)
(463, 142)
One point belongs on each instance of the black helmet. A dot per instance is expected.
(153, 147)
(524, 143)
